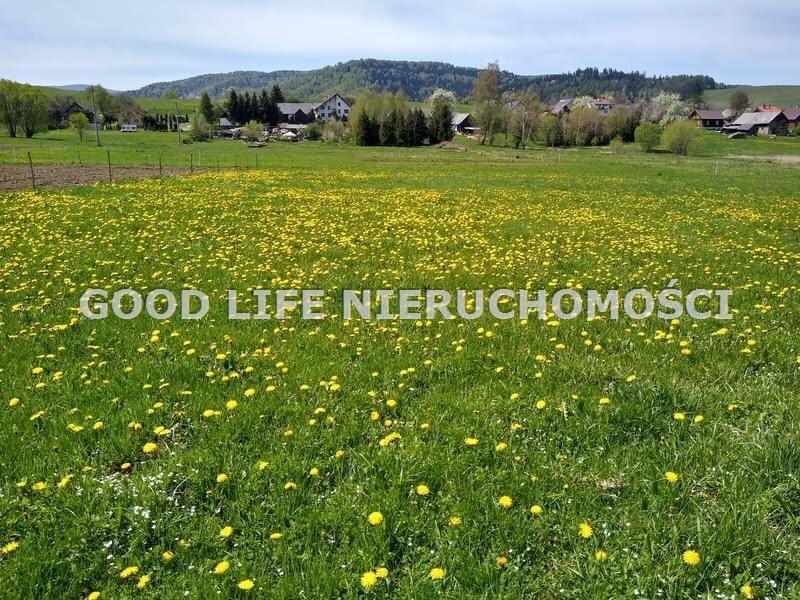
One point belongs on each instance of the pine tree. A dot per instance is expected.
(206, 108)
(441, 122)
(263, 106)
(416, 127)
(277, 94)
(273, 112)
(365, 130)
(234, 106)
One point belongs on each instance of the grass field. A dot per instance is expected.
(507, 459)
(144, 148)
(784, 96)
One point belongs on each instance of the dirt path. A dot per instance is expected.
(18, 177)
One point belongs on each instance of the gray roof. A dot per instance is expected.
(710, 114)
(290, 108)
(459, 118)
(793, 114)
(561, 105)
(753, 119)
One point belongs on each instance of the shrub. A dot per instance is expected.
(253, 131)
(200, 129)
(313, 131)
(648, 136)
(617, 146)
(682, 137)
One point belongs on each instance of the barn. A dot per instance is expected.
(760, 123)
(708, 119)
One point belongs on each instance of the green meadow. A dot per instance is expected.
(422, 458)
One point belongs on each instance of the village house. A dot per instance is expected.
(296, 113)
(462, 123)
(601, 105)
(708, 119)
(792, 117)
(760, 123)
(335, 107)
(561, 107)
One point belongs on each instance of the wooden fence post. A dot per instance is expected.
(160, 171)
(108, 155)
(33, 177)
(191, 164)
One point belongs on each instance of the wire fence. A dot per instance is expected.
(27, 172)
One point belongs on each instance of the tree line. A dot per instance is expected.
(387, 120)
(243, 107)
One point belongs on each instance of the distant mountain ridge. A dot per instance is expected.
(418, 79)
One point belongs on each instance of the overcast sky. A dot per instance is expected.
(126, 45)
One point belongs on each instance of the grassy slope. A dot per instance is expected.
(151, 104)
(784, 96)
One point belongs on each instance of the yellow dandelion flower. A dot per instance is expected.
(9, 548)
(368, 579)
(276, 535)
(167, 555)
(471, 441)
(150, 448)
(245, 584)
(747, 591)
(226, 531)
(585, 530)
(128, 571)
(143, 581)
(381, 572)
(505, 501)
(536, 510)
(600, 555)
(222, 567)
(671, 476)
(222, 478)
(437, 573)
(375, 518)
(455, 521)
(422, 490)
(691, 557)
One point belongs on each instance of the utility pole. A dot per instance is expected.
(94, 109)
(178, 121)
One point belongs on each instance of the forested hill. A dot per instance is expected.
(419, 79)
